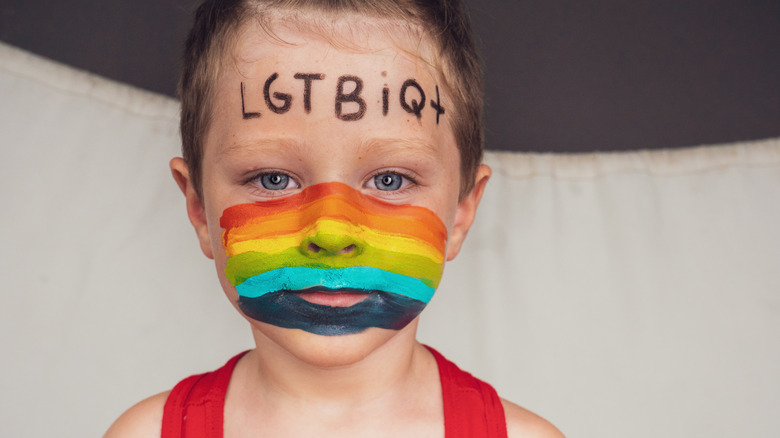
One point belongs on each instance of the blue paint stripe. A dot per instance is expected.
(358, 277)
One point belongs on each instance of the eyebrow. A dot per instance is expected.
(386, 145)
(278, 145)
(290, 146)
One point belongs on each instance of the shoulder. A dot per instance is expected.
(144, 419)
(521, 422)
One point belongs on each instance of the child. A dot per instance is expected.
(331, 165)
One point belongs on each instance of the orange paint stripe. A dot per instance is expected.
(346, 233)
(333, 201)
(372, 206)
(294, 221)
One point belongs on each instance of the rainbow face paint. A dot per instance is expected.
(331, 238)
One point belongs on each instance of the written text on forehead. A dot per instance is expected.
(349, 101)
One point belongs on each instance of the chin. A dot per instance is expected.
(323, 351)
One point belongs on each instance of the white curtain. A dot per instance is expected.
(617, 294)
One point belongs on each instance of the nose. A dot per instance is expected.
(323, 243)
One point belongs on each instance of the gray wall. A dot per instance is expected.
(561, 75)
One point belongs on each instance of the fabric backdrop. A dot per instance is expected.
(618, 295)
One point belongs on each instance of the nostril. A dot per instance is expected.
(324, 245)
(348, 249)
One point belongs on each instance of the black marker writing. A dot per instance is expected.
(245, 114)
(415, 107)
(437, 105)
(354, 96)
(286, 98)
(307, 78)
(349, 105)
(385, 99)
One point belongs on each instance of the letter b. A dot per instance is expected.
(354, 96)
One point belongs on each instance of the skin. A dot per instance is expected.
(374, 383)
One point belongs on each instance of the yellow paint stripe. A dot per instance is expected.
(237, 244)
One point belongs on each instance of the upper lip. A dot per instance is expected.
(332, 291)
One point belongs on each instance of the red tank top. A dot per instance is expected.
(472, 409)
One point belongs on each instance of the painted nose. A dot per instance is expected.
(329, 244)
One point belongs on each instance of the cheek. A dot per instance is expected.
(215, 235)
(448, 206)
(451, 215)
(448, 197)
(220, 261)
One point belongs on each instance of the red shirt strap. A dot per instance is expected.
(472, 408)
(196, 406)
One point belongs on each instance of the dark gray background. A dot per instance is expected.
(562, 76)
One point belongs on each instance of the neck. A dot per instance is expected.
(350, 370)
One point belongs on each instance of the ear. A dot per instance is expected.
(195, 210)
(467, 210)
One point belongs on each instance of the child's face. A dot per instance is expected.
(289, 117)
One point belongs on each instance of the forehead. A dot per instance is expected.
(341, 44)
(354, 71)
(376, 56)
(348, 32)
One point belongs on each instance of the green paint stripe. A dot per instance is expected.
(248, 264)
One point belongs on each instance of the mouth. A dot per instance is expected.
(333, 297)
(332, 312)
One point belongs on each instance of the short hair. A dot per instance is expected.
(444, 22)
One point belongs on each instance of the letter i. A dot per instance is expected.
(385, 100)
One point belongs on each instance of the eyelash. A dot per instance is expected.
(256, 185)
(411, 179)
(254, 182)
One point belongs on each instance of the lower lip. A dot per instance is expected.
(333, 298)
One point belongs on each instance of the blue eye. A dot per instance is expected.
(275, 181)
(388, 181)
